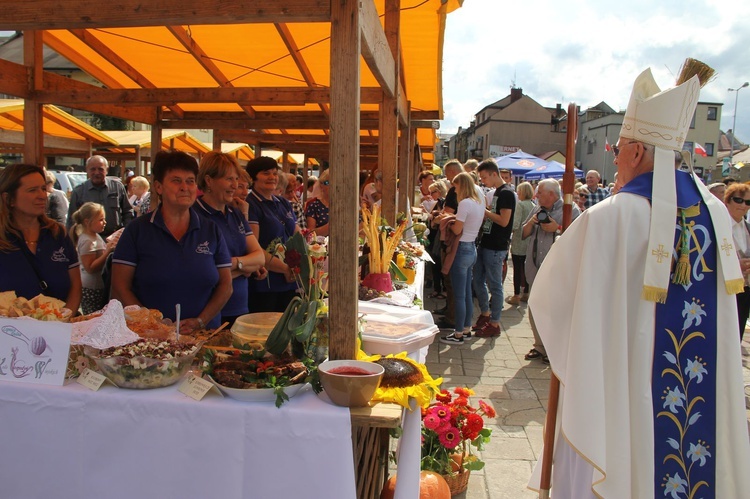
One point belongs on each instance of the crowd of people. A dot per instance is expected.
(203, 241)
(522, 221)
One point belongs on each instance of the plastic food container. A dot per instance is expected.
(393, 314)
(384, 338)
(254, 328)
(141, 372)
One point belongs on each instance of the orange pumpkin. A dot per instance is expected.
(431, 486)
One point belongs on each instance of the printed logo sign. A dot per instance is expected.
(34, 351)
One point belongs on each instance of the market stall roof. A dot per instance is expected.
(239, 150)
(553, 169)
(295, 158)
(172, 140)
(519, 163)
(241, 73)
(64, 133)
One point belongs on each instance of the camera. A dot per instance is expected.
(543, 217)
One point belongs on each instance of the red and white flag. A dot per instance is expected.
(699, 150)
(607, 147)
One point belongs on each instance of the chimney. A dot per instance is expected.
(515, 94)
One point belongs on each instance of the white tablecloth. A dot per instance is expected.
(116, 443)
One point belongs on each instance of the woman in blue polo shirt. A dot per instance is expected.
(271, 217)
(171, 255)
(217, 178)
(36, 255)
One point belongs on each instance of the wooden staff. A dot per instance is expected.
(554, 383)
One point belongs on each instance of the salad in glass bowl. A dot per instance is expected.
(146, 363)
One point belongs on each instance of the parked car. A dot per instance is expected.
(66, 181)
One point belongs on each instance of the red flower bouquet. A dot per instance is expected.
(451, 426)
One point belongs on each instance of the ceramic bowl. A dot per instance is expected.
(350, 383)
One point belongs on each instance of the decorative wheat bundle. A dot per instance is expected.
(693, 67)
(382, 244)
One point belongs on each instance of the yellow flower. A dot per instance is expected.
(422, 393)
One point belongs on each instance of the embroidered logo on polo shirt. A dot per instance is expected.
(241, 228)
(203, 249)
(59, 255)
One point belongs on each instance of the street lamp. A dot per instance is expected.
(734, 119)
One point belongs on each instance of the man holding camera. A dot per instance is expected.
(542, 226)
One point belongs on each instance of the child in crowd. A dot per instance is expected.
(88, 222)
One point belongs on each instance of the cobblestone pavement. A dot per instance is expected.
(518, 389)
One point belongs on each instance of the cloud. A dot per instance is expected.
(587, 52)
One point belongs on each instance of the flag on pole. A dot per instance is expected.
(700, 151)
(607, 147)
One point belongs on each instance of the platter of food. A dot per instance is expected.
(254, 375)
(257, 394)
(43, 308)
(146, 363)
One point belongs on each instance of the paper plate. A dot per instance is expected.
(256, 394)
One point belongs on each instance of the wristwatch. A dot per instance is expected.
(239, 264)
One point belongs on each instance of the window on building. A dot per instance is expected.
(709, 146)
(692, 122)
(590, 147)
(711, 113)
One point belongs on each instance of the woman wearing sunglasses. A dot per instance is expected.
(317, 210)
(737, 199)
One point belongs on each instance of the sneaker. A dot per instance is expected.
(481, 321)
(545, 359)
(513, 300)
(452, 339)
(488, 331)
(443, 324)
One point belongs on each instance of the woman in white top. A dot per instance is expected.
(469, 218)
(737, 199)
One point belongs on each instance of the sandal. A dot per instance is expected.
(533, 354)
(439, 296)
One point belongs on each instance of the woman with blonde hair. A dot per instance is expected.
(36, 255)
(438, 191)
(317, 210)
(141, 198)
(468, 220)
(218, 175)
(518, 244)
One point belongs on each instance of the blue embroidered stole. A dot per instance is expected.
(684, 359)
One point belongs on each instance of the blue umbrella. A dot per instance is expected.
(553, 169)
(519, 163)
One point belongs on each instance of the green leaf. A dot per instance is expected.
(474, 465)
(281, 396)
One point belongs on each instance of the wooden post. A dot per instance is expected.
(404, 170)
(216, 139)
(33, 130)
(139, 170)
(156, 135)
(388, 126)
(344, 157)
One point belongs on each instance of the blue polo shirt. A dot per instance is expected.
(235, 230)
(275, 219)
(54, 257)
(167, 271)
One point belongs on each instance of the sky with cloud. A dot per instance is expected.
(587, 51)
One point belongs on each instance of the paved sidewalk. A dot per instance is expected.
(518, 389)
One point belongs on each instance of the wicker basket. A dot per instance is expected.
(458, 482)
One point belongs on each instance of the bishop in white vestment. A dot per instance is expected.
(652, 400)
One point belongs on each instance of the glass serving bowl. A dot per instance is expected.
(144, 364)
